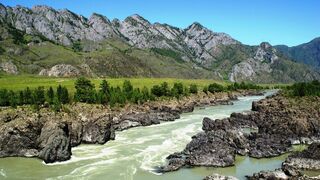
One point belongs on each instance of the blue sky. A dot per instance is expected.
(290, 22)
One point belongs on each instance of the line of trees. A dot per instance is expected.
(215, 87)
(304, 89)
(86, 92)
(106, 94)
(36, 97)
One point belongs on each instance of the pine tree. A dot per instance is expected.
(64, 97)
(27, 94)
(145, 94)
(59, 93)
(21, 98)
(4, 97)
(50, 95)
(105, 87)
(127, 89)
(13, 100)
(103, 95)
(85, 91)
(39, 96)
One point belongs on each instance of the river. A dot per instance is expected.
(136, 152)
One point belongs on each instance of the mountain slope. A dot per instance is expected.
(50, 42)
(308, 53)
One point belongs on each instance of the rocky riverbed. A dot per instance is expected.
(50, 136)
(281, 122)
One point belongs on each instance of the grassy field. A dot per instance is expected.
(22, 81)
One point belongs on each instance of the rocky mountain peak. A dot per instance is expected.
(136, 19)
(42, 8)
(196, 26)
(266, 52)
(265, 45)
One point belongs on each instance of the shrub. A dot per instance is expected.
(193, 89)
(304, 89)
(156, 90)
(76, 46)
(205, 89)
(214, 87)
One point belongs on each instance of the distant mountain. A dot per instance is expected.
(50, 42)
(308, 53)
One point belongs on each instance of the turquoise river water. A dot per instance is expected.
(135, 153)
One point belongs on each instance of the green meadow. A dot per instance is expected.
(20, 82)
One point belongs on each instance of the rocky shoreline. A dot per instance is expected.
(281, 122)
(50, 136)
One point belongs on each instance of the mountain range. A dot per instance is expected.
(50, 42)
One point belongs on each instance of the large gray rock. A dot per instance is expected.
(61, 70)
(98, 131)
(9, 67)
(54, 142)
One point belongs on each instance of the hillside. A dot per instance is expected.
(307, 53)
(50, 42)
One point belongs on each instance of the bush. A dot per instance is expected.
(179, 88)
(193, 89)
(156, 90)
(304, 89)
(205, 89)
(214, 87)
(76, 46)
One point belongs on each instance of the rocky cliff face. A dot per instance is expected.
(261, 61)
(110, 45)
(65, 27)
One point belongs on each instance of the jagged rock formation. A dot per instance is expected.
(196, 52)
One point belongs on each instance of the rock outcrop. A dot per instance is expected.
(9, 68)
(54, 142)
(308, 159)
(61, 70)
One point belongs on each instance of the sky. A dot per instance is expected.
(289, 22)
